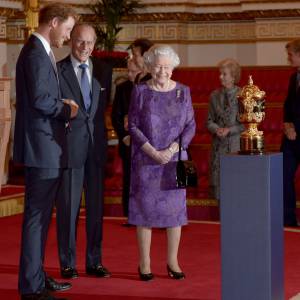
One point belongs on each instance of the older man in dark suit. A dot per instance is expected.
(40, 141)
(87, 151)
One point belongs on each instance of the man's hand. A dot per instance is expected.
(289, 131)
(126, 140)
(73, 105)
(126, 122)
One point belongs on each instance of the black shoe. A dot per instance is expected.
(54, 286)
(291, 224)
(98, 271)
(175, 275)
(145, 277)
(44, 295)
(127, 225)
(69, 273)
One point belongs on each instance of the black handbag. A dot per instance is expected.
(186, 172)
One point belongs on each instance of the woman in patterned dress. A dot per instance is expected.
(222, 120)
(160, 111)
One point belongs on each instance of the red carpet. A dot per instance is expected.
(199, 257)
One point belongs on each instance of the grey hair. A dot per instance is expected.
(161, 50)
(233, 66)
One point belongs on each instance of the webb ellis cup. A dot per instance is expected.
(251, 113)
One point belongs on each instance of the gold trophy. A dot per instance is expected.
(251, 113)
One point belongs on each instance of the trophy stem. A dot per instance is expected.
(251, 140)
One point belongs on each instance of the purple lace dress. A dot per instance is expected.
(158, 118)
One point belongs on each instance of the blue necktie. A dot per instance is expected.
(85, 86)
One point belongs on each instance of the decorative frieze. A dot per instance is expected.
(213, 32)
(15, 30)
(2, 28)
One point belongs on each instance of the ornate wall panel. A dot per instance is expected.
(15, 32)
(220, 32)
(2, 28)
(278, 29)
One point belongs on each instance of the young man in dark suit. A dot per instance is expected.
(291, 140)
(40, 141)
(87, 145)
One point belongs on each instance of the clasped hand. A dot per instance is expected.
(73, 105)
(222, 132)
(163, 156)
(160, 156)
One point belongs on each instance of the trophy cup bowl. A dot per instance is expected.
(251, 113)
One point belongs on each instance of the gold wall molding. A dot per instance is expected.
(205, 17)
(213, 32)
(15, 31)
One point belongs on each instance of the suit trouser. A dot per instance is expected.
(291, 160)
(41, 187)
(90, 179)
(126, 165)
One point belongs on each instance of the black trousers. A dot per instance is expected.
(291, 160)
(41, 188)
(89, 179)
(126, 165)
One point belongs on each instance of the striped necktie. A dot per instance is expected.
(53, 61)
(85, 86)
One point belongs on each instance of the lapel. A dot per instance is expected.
(69, 76)
(95, 91)
(36, 42)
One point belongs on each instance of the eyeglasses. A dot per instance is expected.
(158, 68)
(86, 43)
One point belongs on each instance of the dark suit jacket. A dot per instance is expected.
(88, 128)
(292, 104)
(40, 136)
(119, 111)
(102, 71)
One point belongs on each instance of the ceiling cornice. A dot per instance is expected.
(208, 17)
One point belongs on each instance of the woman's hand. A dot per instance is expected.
(163, 156)
(222, 132)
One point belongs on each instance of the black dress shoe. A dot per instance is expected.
(127, 225)
(54, 286)
(145, 276)
(44, 295)
(69, 273)
(98, 271)
(175, 275)
(291, 224)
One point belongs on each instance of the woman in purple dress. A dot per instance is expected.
(160, 112)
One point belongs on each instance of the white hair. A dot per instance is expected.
(161, 50)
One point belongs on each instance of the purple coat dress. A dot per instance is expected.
(158, 118)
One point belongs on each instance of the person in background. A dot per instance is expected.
(137, 72)
(138, 48)
(291, 140)
(120, 123)
(160, 112)
(40, 140)
(87, 144)
(222, 120)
